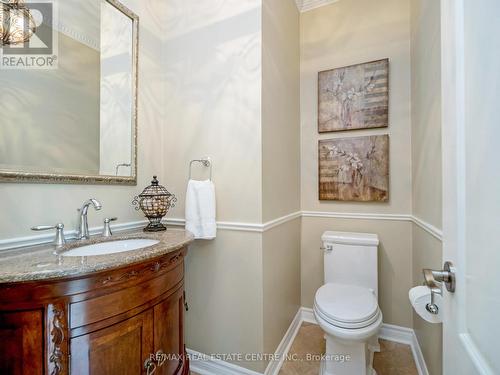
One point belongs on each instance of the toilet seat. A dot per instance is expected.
(348, 307)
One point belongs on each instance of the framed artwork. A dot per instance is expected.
(354, 169)
(354, 97)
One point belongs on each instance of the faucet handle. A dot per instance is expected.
(60, 240)
(107, 228)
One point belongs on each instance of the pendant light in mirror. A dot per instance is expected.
(17, 24)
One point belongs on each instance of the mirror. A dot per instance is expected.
(72, 119)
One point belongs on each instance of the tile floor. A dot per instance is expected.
(393, 359)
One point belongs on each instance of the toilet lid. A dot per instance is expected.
(347, 306)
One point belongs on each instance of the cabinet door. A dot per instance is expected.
(120, 349)
(21, 342)
(169, 335)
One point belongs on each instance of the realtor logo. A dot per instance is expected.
(29, 36)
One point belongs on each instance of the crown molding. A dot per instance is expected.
(78, 36)
(306, 5)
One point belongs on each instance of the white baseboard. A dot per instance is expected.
(418, 356)
(406, 336)
(206, 365)
(284, 347)
(398, 334)
(307, 315)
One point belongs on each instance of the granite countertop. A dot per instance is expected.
(42, 263)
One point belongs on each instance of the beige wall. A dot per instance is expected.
(337, 35)
(426, 109)
(426, 145)
(280, 109)
(225, 295)
(212, 66)
(33, 204)
(280, 167)
(281, 281)
(213, 73)
(232, 75)
(346, 33)
(223, 87)
(201, 78)
(427, 253)
(328, 40)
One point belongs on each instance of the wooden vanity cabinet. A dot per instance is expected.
(119, 322)
(169, 332)
(21, 342)
(119, 349)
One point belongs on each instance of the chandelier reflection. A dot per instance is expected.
(17, 24)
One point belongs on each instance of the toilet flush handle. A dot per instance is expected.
(327, 249)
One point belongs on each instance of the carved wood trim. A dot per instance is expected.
(57, 339)
(153, 268)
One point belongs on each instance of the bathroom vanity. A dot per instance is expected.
(119, 313)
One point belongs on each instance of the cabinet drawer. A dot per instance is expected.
(118, 302)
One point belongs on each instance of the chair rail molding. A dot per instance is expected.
(357, 215)
(13, 243)
(245, 227)
(429, 228)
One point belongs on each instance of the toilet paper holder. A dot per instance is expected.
(445, 276)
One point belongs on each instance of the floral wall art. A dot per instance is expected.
(354, 97)
(354, 169)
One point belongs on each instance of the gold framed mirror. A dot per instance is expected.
(70, 116)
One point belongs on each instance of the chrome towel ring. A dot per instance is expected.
(207, 162)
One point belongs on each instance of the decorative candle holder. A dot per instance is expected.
(155, 201)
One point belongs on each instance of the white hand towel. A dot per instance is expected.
(200, 209)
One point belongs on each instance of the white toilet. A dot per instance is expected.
(346, 307)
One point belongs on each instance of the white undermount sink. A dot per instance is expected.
(110, 247)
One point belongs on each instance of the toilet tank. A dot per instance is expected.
(352, 259)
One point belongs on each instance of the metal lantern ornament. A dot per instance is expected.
(155, 201)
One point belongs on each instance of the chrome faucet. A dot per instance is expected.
(83, 231)
(60, 240)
